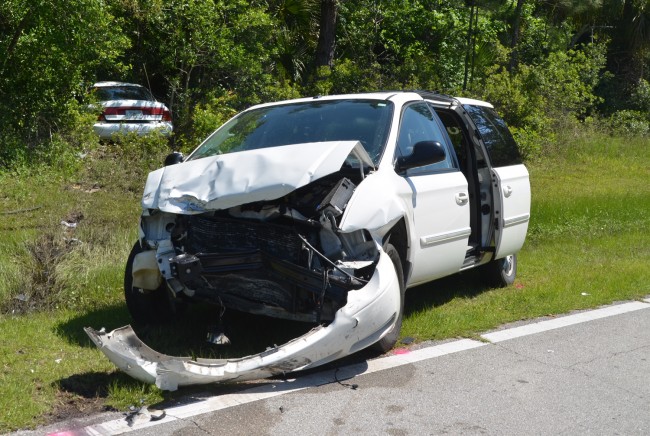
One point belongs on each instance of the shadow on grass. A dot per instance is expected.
(109, 317)
(249, 334)
(467, 284)
(90, 384)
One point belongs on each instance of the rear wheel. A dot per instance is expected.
(147, 306)
(501, 272)
(390, 339)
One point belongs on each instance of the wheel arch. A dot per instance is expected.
(398, 236)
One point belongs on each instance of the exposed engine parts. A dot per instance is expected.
(284, 258)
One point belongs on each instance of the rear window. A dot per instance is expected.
(106, 93)
(500, 144)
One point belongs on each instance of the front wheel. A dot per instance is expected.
(390, 339)
(147, 306)
(501, 272)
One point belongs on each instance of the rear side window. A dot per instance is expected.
(500, 144)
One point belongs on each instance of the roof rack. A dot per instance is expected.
(434, 95)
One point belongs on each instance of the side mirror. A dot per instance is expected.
(173, 158)
(424, 153)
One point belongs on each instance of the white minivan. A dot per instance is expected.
(321, 210)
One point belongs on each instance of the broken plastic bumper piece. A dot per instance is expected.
(369, 314)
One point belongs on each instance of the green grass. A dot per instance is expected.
(588, 235)
(70, 278)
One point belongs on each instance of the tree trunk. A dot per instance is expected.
(628, 44)
(470, 49)
(14, 40)
(516, 35)
(327, 33)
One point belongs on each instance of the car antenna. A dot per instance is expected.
(144, 67)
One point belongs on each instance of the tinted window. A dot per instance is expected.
(498, 140)
(456, 133)
(367, 121)
(420, 124)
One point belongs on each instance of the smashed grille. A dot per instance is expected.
(222, 235)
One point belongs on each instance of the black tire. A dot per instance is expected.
(145, 306)
(501, 272)
(390, 339)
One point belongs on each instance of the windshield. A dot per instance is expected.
(367, 121)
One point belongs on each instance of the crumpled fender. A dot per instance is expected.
(374, 205)
(368, 315)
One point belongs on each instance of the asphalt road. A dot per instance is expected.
(590, 377)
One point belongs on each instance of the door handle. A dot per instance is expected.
(507, 191)
(462, 198)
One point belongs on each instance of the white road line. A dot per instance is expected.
(564, 321)
(274, 388)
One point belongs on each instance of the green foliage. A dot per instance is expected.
(123, 165)
(206, 58)
(207, 117)
(567, 80)
(189, 49)
(12, 150)
(49, 49)
(348, 76)
(640, 97)
(532, 143)
(539, 100)
(141, 150)
(392, 45)
(563, 85)
(629, 123)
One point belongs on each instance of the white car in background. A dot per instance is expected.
(321, 210)
(128, 107)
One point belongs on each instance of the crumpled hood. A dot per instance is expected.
(228, 180)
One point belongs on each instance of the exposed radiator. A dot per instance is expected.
(222, 235)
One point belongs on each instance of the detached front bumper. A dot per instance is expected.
(369, 314)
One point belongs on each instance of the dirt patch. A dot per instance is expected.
(70, 406)
(73, 218)
(80, 396)
(89, 188)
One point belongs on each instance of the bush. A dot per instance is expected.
(640, 98)
(629, 123)
(61, 149)
(539, 100)
(12, 152)
(206, 118)
(532, 143)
